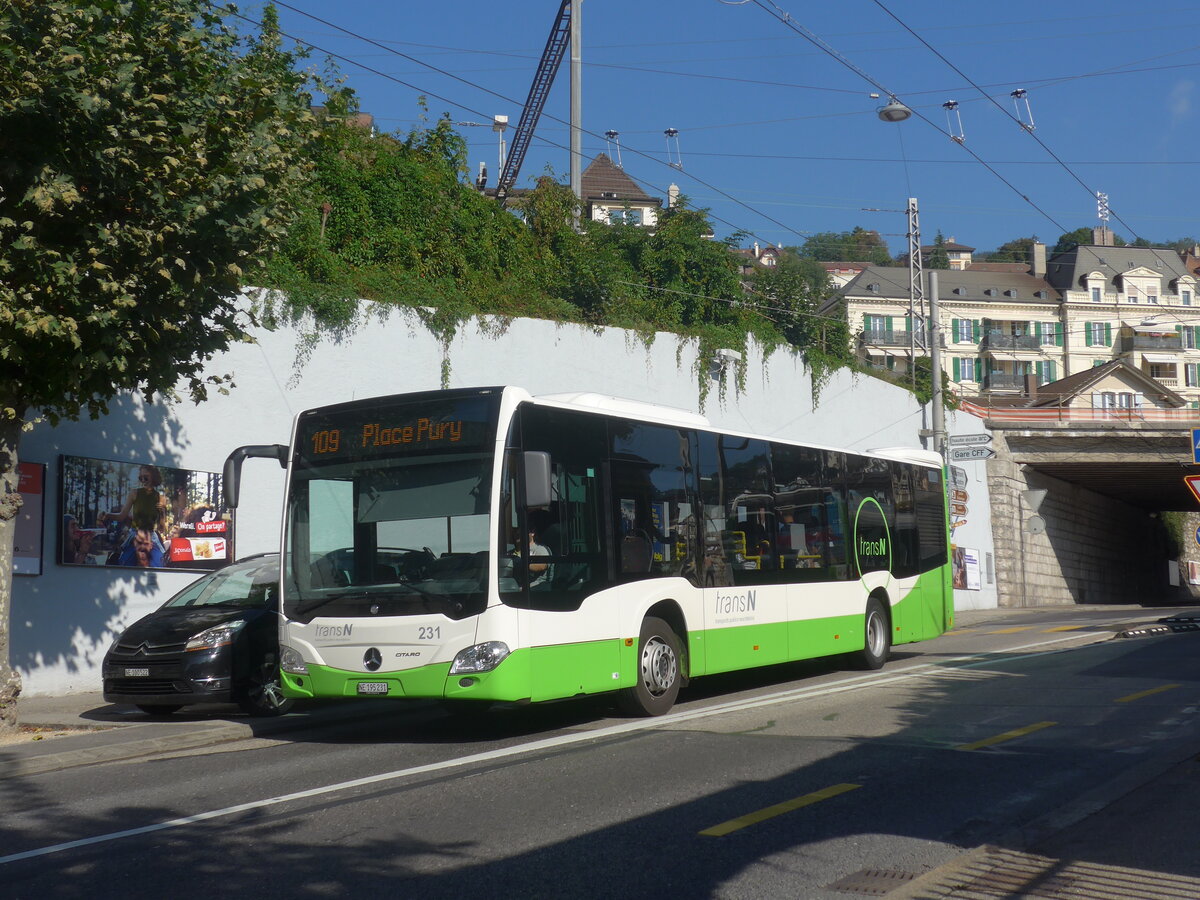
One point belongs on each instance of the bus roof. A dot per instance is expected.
(636, 409)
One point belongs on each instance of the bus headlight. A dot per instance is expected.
(291, 661)
(480, 658)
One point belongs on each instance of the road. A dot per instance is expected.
(805, 780)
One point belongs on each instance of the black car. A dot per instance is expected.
(216, 641)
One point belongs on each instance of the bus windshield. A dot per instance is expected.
(388, 511)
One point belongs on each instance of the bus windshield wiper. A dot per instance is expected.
(316, 603)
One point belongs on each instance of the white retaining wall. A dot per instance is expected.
(64, 620)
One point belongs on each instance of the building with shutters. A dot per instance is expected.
(1080, 309)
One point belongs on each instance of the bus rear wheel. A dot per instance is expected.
(658, 671)
(878, 636)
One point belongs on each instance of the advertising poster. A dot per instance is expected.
(142, 516)
(971, 565)
(27, 543)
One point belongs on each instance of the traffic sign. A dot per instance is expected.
(958, 509)
(1196, 446)
(1193, 483)
(971, 440)
(959, 454)
(959, 496)
(958, 476)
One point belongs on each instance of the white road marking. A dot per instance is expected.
(847, 684)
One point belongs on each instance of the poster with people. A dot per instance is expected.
(142, 516)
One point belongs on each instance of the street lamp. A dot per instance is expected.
(894, 111)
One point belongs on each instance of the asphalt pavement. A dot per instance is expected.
(1132, 837)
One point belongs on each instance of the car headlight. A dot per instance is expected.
(291, 661)
(217, 636)
(480, 658)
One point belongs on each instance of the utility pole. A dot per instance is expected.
(577, 106)
(916, 288)
(938, 417)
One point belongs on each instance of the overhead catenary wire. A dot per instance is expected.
(771, 8)
(500, 96)
(1026, 127)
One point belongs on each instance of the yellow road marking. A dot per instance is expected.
(1007, 736)
(777, 810)
(1066, 628)
(1014, 630)
(1140, 694)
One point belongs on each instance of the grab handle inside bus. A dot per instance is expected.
(538, 479)
(232, 473)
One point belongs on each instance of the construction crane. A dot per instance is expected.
(543, 79)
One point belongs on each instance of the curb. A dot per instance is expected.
(42, 763)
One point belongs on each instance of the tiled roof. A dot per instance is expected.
(1068, 270)
(1055, 392)
(603, 177)
(998, 267)
(966, 284)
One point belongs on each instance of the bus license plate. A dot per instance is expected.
(137, 673)
(372, 687)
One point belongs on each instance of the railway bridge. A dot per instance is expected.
(1109, 477)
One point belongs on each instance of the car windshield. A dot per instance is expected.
(251, 584)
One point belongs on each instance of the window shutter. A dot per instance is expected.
(956, 374)
(1053, 367)
(979, 369)
(1108, 334)
(954, 332)
(1058, 334)
(1037, 330)
(1087, 334)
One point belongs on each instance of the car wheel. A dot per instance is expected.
(159, 709)
(658, 671)
(263, 695)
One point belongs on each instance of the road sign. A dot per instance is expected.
(960, 454)
(958, 476)
(958, 509)
(1196, 446)
(957, 523)
(1198, 536)
(1193, 483)
(972, 440)
(959, 496)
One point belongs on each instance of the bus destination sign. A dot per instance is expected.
(381, 430)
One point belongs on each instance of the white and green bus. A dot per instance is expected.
(487, 545)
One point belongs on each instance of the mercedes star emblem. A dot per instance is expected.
(372, 659)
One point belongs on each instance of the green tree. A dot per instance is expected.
(858, 245)
(938, 257)
(791, 295)
(148, 157)
(1072, 239)
(1017, 250)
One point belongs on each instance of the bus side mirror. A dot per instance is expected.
(231, 477)
(538, 479)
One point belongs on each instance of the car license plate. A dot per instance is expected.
(137, 673)
(372, 687)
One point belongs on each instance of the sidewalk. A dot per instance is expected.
(1131, 838)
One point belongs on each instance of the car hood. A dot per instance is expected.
(172, 625)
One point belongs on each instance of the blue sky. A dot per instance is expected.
(778, 135)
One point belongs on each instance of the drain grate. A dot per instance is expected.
(872, 882)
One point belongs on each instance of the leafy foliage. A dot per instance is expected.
(148, 158)
(858, 245)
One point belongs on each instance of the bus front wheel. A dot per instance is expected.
(878, 636)
(658, 674)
